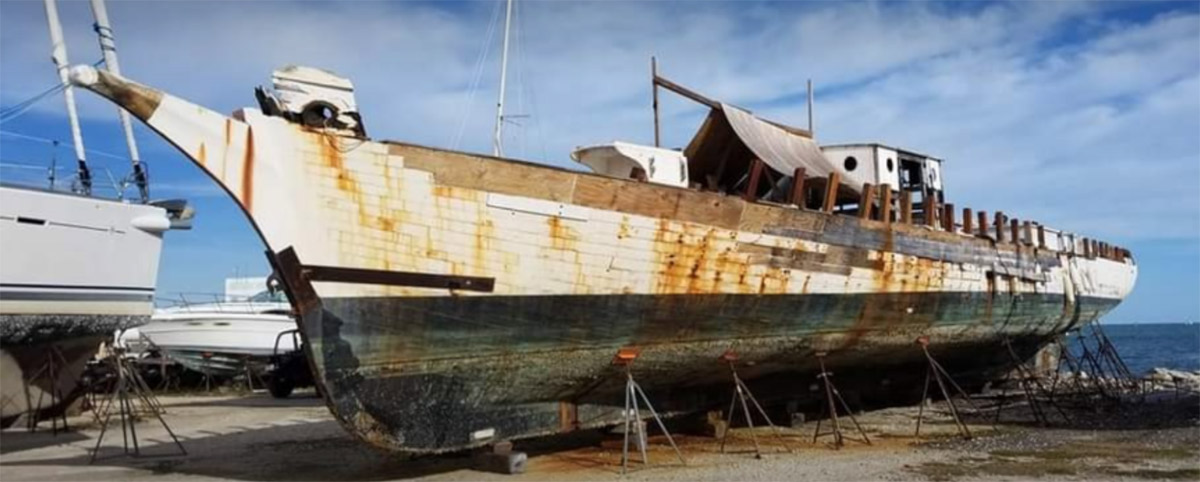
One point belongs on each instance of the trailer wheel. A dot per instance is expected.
(280, 386)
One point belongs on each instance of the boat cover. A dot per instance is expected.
(784, 151)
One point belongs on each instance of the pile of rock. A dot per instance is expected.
(1163, 378)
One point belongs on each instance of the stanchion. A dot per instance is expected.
(741, 392)
(130, 390)
(1025, 379)
(632, 414)
(832, 399)
(50, 372)
(939, 374)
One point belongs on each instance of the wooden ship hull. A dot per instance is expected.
(451, 300)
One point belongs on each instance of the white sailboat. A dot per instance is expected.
(73, 268)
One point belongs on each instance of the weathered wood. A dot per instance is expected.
(866, 200)
(930, 211)
(1015, 230)
(948, 217)
(1041, 235)
(999, 222)
(831, 191)
(968, 228)
(1027, 235)
(654, 91)
(983, 223)
(885, 203)
(756, 170)
(797, 195)
(906, 207)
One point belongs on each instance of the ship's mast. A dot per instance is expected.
(108, 47)
(59, 55)
(498, 141)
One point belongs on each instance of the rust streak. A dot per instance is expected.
(247, 168)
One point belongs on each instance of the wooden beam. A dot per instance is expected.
(654, 89)
(948, 217)
(885, 203)
(1015, 227)
(906, 207)
(797, 196)
(866, 200)
(686, 92)
(983, 223)
(831, 191)
(999, 221)
(1027, 235)
(968, 228)
(930, 211)
(756, 168)
(1041, 233)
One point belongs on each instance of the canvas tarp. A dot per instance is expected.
(782, 150)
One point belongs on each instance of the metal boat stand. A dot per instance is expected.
(1025, 379)
(50, 371)
(632, 416)
(741, 392)
(938, 373)
(833, 398)
(128, 393)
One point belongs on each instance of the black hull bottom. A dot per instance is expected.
(442, 374)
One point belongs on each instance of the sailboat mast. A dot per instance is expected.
(59, 55)
(108, 48)
(498, 141)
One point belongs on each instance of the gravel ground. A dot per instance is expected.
(257, 438)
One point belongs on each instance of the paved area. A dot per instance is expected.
(257, 438)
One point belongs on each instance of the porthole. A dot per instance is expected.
(850, 163)
(891, 165)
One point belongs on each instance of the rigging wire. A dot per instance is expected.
(521, 67)
(477, 76)
(57, 143)
(21, 108)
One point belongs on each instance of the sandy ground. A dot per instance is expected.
(257, 438)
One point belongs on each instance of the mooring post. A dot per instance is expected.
(930, 211)
(999, 226)
(983, 223)
(831, 191)
(1041, 234)
(906, 207)
(756, 168)
(948, 217)
(797, 196)
(866, 200)
(885, 203)
(968, 228)
(1015, 228)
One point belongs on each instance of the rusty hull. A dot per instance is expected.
(584, 265)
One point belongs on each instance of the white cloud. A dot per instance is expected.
(1059, 111)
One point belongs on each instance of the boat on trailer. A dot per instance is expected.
(451, 300)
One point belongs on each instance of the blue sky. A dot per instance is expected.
(1085, 116)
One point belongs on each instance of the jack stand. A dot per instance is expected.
(632, 414)
(940, 374)
(742, 392)
(1025, 379)
(832, 395)
(50, 371)
(129, 390)
(204, 370)
(502, 460)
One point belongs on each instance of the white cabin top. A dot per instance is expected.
(880, 164)
(623, 160)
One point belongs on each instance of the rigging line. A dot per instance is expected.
(477, 76)
(59, 143)
(20, 108)
(519, 59)
(521, 67)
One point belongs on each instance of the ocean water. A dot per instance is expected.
(1147, 346)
